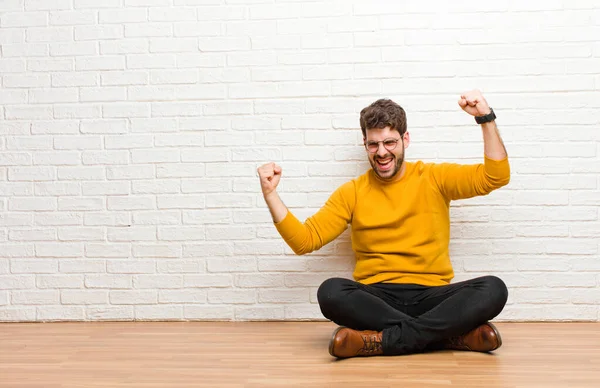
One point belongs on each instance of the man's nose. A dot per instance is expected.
(381, 150)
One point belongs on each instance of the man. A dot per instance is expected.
(401, 301)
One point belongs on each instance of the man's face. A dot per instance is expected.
(388, 157)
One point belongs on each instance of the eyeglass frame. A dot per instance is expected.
(366, 144)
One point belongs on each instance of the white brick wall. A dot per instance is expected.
(130, 132)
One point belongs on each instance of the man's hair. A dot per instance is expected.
(383, 113)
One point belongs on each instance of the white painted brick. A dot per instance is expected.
(282, 295)
(223, 75)
(107, 250)
(81, 173)
(187, 296)
(232, 265)
(232, 296)
(60, 313)
(226, 43)
(259, 312)
(78, 142)
(82, 266)
(173, 76)
(26, 81)
(58, 219)
(180, 170)
(25, 50)
(109, 94)
(148, 30)
(142, 156)
(108, 281)
(32, 204)
(133, 297)
(157, 218)
(17, 282)
(181, 233)
(63, 49)
(48, 234)
(259, 280)
(57, 158)
(15, 219)
(49, 34)
(12, 35)
(121, 16)
(131, 202)
(131, 266)
(60, 281)
(85, 4)
(84, 204)
(83, 297)
(69, 18)
(170, 109)
(50, 65)
(110, 313)
(248, 82)
(81, 233)
(170, 45)
(130, 172)
(304, 312)
(127, 141)
(17, 314)
(28, 113)
(12, 65)
(206, 250)
(158, 312)
(105, 62)
(209, 312)
(15, 158)
(159, 186)
(134, 233)
(158, 281)
(23, 19)
(159, 251)
(206, 217)
(180, 266)
(198, 29)
(172, 14)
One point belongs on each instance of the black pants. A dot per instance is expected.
(413, 318)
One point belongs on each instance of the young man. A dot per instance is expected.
(401, 301)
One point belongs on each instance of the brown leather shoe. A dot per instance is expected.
(346, 342)
(483, 338)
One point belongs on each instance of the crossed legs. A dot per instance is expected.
(412, 318)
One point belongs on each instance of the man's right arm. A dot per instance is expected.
(276, 207)
(269, 175)
(320, 229)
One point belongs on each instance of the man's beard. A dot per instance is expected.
(391, 173)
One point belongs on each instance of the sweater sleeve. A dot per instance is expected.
(458, 181)
(324, 226)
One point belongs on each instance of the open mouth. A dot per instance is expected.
(385, 164)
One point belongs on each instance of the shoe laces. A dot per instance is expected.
(371, 343)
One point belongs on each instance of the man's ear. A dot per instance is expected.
(406, 138)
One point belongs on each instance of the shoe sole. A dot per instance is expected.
(332, 342)
(495, 329)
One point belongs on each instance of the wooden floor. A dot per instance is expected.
(278, 354)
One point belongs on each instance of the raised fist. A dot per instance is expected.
(269, 175)
(473, 103)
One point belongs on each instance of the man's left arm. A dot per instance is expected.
(458, 181)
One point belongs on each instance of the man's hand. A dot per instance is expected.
(473, 103)
(269, 175)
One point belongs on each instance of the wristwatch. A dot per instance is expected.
(487, 118)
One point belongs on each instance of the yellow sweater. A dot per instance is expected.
(400, 230)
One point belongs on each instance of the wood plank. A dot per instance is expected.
(276, 354)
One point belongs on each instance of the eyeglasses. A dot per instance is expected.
(389, 144)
